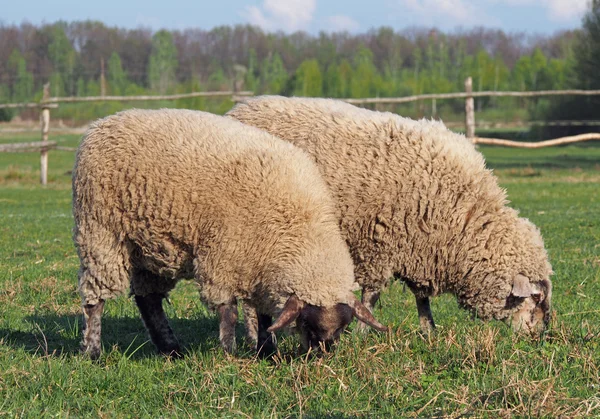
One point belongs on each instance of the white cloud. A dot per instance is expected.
(457, 12)
(286, 15)
(339, 23)
(562, 10)
(567, 9)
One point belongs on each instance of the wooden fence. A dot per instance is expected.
(48, 103)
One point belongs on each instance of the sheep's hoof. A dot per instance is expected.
(266, 350)
(93, 352)
(174, 353)
(361, 327)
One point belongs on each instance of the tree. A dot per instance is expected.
(252, 73)
(117, 79)
(62, 55)
(5, 113)
(585, 69)
(163, 62)
(521, 73)
(23, 85)
(538, 66)
(365, 74)
(587, 50)
(309, 81)
(274, 74)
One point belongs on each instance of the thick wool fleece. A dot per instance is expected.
(415, 200)
(163, 195)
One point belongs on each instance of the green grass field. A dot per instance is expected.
(468, 368)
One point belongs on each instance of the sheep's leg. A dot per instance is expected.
(369, 299)
(425, 316)
(92, 319)
(228, 315)
(251, 324)
(266, 345)
(155, 320)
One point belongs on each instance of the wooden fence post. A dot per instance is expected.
(102, 78)
(469, 109)
(45, 121)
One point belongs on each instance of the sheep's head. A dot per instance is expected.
(320, 327)
(532, 303)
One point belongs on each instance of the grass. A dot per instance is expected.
(468, 368)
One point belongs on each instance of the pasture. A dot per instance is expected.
(468, 368)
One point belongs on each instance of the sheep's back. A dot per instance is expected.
(170, 180)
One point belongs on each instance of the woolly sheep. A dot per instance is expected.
(417, 203)
(164, 195)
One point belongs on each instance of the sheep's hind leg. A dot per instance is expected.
(369, 299)
(228, 315)
(155, 320)
(425, 316)
(266, 345)
(92, 317)
(251, 324)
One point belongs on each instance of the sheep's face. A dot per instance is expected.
(532, 302)
(321, 327)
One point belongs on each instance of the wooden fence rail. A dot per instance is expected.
(463, 95)
(23, 147)
(25, 105)
(537, 144)
(75, 99)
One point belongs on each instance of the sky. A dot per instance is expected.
(355, 16)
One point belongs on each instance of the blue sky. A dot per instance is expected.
(531, 16)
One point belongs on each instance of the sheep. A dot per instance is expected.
(164, 195)
(416, 202)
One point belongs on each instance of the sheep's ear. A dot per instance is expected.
(364, 315)
(291, 310)
(521, 287)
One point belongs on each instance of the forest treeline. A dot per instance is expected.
(383, 62)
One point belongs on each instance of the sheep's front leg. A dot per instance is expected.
(155, 320)
(266, 345)
(228, 315)
(92, 320)
(251, 324)
(369, 299)
(425, 316)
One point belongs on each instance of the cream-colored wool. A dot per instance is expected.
(415, 200)
(187, 194)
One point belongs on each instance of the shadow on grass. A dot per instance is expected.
(559, 161)
(56, 335)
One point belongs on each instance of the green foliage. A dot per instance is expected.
(252, 74)
(580, 70)
(365, 77)
(23, 86)
(117, 79)
(63, 56)
(57, 85)
(309, 80)
(588, 49)
(198, 103)
(163, 62)
(337, 80)
(382, 62)
(5, 114)
(218, 81)
(274, 75)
